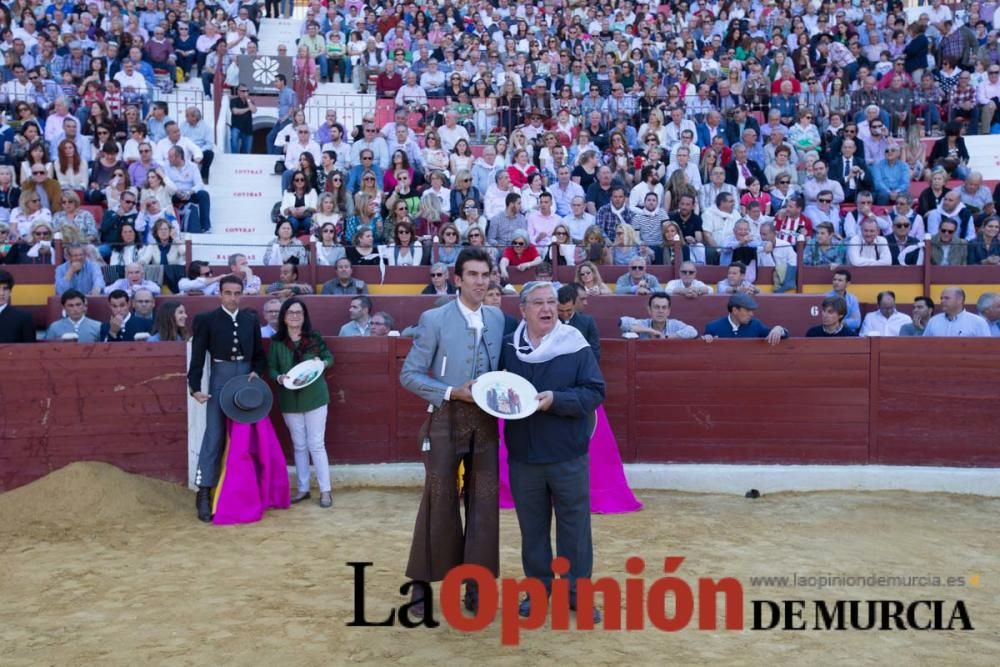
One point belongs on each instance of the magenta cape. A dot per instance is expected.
(254, 476)
(609, 490)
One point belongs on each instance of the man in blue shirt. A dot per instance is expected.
(740, 323)
(286, 107)
(841, 279)
(79, 273)
(891, 175)
(637, 281)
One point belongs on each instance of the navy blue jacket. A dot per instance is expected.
(818, 332)
(721, 328)
(134, 325)
(586, 325)
(561, 433)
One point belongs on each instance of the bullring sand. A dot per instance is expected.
(100, 567)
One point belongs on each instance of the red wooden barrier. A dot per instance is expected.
(61, 403)
(894, 401)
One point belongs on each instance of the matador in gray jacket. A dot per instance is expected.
(453, 345)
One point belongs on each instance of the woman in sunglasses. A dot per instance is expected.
(521, 254)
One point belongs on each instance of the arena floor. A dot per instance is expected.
(102, 568)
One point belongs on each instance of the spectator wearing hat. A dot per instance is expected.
(741, 323)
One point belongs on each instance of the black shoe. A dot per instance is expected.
(300, 496)
(203, 502)
(472, 597)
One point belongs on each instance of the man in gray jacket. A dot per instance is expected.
(75, 322)
(456, 343)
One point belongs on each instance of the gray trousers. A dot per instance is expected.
(563, 488)
(212, 444)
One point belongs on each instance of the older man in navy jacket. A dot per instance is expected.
(740, 323)
(547, 451)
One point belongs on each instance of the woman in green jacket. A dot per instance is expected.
(304, 409)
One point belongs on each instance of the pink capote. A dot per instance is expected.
(254, 475)
(609, 490)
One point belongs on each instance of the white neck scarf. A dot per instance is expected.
(563, 339)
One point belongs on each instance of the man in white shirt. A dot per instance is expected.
(373, 142)
(987, 95)
(17, 89)
(955, 320)
(579, 218)
(133, 281)
(886, 321)
(678, 123)
(683, 162)
(821, 183)
(131, 80)
(174, 138)
(190, 190)
(542, 222)
(694, 153)
(411, 94)
(432, 80)
(823, 209)
(864, 211)
(564, 191)
(451, 132)
(869, 248)
(302, 143)
(688, 284)
(774, 250)
(718, 221)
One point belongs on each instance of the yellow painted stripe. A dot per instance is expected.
(867, 293)
(972, 292)
(33, 295)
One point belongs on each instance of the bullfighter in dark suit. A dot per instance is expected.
(230, 337)
(16, 325)
(455, 344)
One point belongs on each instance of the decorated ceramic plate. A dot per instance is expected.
(304, 374)
(505, 395)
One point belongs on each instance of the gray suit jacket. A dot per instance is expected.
(956, 257)
(90, 330)
(443, 332)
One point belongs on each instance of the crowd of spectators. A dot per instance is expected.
(736, 129)
(623, 133)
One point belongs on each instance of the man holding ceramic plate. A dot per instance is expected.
(456, 344)
(547, 450)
